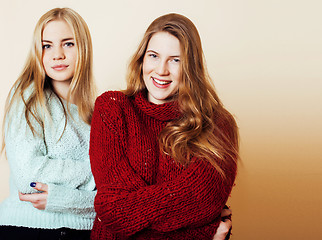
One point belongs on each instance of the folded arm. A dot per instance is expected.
(126, 204)
(29, 162)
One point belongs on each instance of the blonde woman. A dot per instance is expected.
(46, 135)
(164, 151)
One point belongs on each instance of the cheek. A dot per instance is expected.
(45, 61)
(179, 76)
(71, 55)
(144, 71)
(176, 72)
(73, 58)
(147, 67)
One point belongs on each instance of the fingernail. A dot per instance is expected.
(32, 184)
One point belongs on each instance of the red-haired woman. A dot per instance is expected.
(164, 151)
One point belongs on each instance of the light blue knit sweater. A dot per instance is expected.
(63, 164)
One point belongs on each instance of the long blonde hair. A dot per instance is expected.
(206, 129)
(82, 86)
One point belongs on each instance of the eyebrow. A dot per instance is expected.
(150, 50)
(63, 40)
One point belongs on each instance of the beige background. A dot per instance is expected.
(265, 58)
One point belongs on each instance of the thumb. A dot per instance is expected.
(39, 186)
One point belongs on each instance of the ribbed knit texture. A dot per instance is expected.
(143, 194)
(62, 164)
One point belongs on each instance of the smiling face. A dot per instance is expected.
(59, 52)
(161, 67)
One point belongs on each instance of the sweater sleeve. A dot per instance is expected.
(29, 161)
(107, 154)
(76, 201)
(193, 199)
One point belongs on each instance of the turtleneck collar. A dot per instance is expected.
(163, 112)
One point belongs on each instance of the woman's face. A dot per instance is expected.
(59, 52)
(161, 67)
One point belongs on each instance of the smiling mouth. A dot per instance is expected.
(161, 83)
(60, 67)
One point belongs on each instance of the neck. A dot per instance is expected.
(61, 88)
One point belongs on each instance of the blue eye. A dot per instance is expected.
(46, 46)
(176, 60)
(152, 55)
(69, 44)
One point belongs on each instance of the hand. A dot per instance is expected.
(224, 226)
(38, 200)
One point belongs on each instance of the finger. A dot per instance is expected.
(33, 197)
(39, 205)
(224, 226)
(21, 195)
(222, 230)
(25, 197)
(226, 212)
(228, 223)
(39, 186)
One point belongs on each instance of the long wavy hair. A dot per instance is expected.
(82, 88)
(206, 129)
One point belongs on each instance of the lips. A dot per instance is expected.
(161, 83)
(60, 67)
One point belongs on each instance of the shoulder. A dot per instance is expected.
(227, 125)
(111, 97)
(29, 91)
(19, 100)
(16, 102)
(226, 120)
(16, 97)
(111, 107)
(112, 101)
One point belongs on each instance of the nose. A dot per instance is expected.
(58, 53)
(162, 68)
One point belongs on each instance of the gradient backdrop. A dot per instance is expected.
(265, 58)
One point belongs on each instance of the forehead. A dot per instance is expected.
(57, 29)
(164, 43)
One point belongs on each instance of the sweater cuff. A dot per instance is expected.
(62, 199)
(55, 198)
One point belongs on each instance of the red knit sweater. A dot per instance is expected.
(143, 194)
